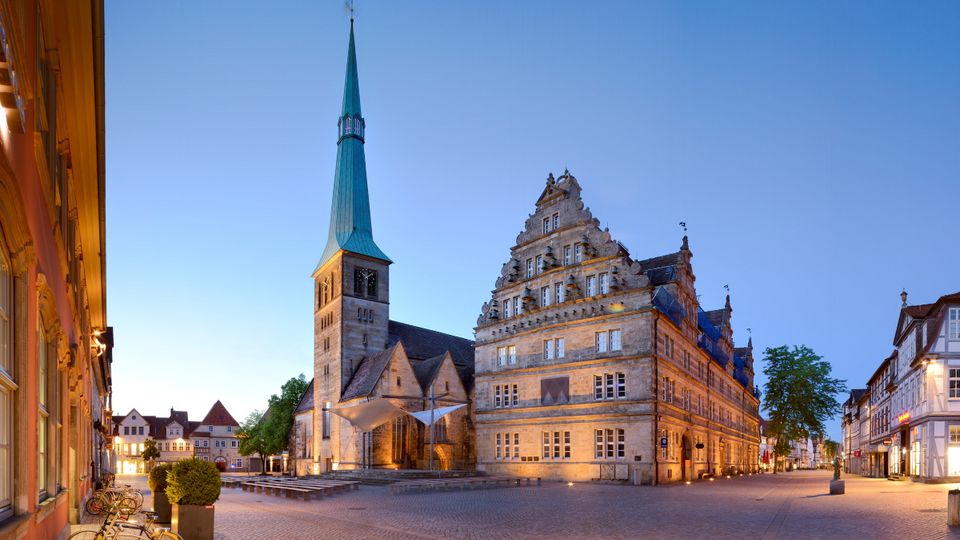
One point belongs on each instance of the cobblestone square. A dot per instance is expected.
(788, 505)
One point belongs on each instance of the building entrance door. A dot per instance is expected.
(904, 456)
(686, 454)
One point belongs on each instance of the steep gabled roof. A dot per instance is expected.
(920, 312)
(219, 416)
(426, 370)
(306, 401)
(421, 343)
(364, 380)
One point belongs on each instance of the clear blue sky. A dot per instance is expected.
(813, 149)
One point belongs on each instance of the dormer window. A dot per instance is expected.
(210, 429)
(954, 328)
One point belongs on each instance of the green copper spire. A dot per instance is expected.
(350, 227)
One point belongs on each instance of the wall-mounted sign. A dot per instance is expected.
(904, 417)
(699, 446)
(663, 442)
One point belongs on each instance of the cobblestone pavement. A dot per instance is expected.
(790, 505)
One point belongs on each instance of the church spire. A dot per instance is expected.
(350, 226)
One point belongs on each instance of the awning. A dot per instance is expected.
(370, 414)
(424, 416)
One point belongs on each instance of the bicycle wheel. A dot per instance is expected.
(128, 505)
(86, 535)
(94, 506)
(137, 496)
(167, 535)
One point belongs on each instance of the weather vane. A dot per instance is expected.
(727, 288)
(684, 225)
(348, 8)
(750, 331)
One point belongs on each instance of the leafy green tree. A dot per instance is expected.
(279, 417)
(150, 452)
(830, 450)
(800, 396)
(251, 435)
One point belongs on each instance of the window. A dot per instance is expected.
(668, 347)
(558, 292)
(539, 264)
(517, 306)
(516, 446)
(325, 428)
(196, 443)
(505, 395)
(556, 445)
(501, 356)
(544, 296)
(365, 282)
(604, 283)
(511, 445)
(578, 253)
(954, 383)
(955, 434)
(610, 386)
(546, 225)
(548, 349)
(567, 254)
(206, 443)
(498, 454)
(506, 308)
(954, 329)
(126, 430)
(529, 268)
(560, 347)
(556, 220)
(615, 340)
(609, 443)
(140, 430)
(237, 463)
(602, 344)
(512, 354)
(591, 285)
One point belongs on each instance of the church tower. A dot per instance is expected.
(351, 286)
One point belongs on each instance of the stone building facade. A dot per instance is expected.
(366, 365)
(591, 364)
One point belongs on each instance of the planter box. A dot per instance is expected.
(161, 505)
(192, 522)
(836, 487)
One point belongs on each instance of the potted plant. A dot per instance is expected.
(158, 485)
(193, 485)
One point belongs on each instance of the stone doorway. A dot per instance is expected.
(686, 458)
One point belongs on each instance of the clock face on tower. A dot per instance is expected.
(365, 282)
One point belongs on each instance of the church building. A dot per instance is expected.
(592, 364)
(372, 375)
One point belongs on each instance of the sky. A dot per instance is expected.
(812, 148)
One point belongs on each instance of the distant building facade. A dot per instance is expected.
(55, 342)
(368, 368)
(594, 365)
(855, 431)
(212, 439)
(914, 398)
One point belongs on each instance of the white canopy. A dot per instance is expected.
(424, 416)
(369, 415)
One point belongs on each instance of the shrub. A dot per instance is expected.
(194, 482)
(158, 477)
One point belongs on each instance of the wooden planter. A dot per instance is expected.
(193, 522)
(161, 505)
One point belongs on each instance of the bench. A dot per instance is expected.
(477, 482)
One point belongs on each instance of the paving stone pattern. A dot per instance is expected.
(790, 505)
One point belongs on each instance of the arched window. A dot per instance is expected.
(7, 384)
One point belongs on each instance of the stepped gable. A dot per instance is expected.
(219, 416)
(306, 401)
(364, 380)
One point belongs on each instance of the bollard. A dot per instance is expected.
(953, 507)
(836, 487)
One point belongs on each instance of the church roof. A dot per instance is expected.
(350, 225)
(426, 370)
(422, 344)
(218, 416)
(364, 380)
(306, 400)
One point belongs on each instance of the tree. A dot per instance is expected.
(150, 452)
(279, 416)
(799, 395)
(830, 450)
(251, 435)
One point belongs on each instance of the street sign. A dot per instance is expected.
(663, 442)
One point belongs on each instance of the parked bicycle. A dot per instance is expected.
(117, 526)
(124, 498)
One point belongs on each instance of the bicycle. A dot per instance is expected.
(128, 499)
(115, 527)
